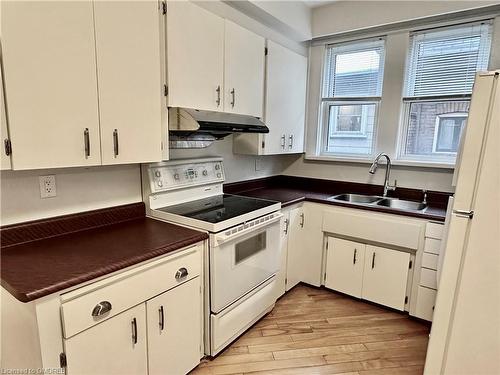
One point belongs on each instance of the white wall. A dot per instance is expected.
(78, 189)
(346, 16)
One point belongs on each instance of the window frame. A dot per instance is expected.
(326, 102)
(438, 125)
(436, 158)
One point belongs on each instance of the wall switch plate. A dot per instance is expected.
(47, 186)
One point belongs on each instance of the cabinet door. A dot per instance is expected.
(294, 266)
(285, 100)
(385, 276)
(344, 266)
(115, 346)
(50, 83)
(129, 76)
(195, 57)
(281, 276)
(174, 329)
(4, 134)
(243, 70)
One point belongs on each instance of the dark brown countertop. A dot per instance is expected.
(290, 190)
(45, 265)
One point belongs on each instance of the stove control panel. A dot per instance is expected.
(176, 174)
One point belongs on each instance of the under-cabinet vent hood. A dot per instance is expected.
(189, 126)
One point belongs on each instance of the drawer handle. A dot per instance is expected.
(162, 318)
(134, 331)
(101, 308)
(181, 273)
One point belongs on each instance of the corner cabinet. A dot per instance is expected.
(74, 73)
(285, 103)
(212, 63)
(147, 319)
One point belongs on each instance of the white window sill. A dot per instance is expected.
(369, 160)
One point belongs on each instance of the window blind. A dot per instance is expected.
(445, 62)
(354, 70)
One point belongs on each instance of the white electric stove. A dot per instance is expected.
(244, 248)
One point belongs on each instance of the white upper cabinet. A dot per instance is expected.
(129, 77)
(195, 57)
(286, 78)
(4, 134)
(244, 61)
(50, 83)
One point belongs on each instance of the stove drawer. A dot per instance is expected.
(94, 303)
(237, 318)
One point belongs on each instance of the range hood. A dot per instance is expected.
(191, 125)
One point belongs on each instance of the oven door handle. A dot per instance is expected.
(221, 238)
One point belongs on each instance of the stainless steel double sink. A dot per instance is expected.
(373, 200)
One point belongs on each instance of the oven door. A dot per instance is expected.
(242, 261)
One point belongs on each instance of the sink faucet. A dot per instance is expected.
(374, 167)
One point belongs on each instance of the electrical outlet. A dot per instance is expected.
(47, 186)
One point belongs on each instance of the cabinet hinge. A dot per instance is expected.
(406, 300)
(165, 90)
(263, 144)
(411, 264)
(164, 7)
(62, 360)
(327, 245)
(266, 51)
(7, 146)
(324, 277)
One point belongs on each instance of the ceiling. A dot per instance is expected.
(317, 3)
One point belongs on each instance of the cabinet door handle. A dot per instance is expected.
(217, 90)
(283, 141)
(290, 143)
(354, 257)
(373, 260)
(287, 222)
(86, 142)
(162, 318)
(302, 220)
(181, 273)
(233, 94)
(134, 331)
(115, 142)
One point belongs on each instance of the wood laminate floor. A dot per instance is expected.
(316, 331)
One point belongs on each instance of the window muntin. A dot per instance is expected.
(352, 87)
(441, 70)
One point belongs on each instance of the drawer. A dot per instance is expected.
(428, 278)
(434, 230)
(430, 261)
(432, 246)
(426, 299)
(128, 291)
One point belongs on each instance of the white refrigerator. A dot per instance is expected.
(465, 334)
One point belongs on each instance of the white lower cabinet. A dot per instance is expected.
(344, 266)
(281, 275)
(426, 300)
(116, 346)
(385, 276)
(174, 329)
(373, 273)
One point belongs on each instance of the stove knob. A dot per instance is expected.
(217, 167)
(176, 176)
(157, 173)
(218, 175)
(160, 183)
(205, 173)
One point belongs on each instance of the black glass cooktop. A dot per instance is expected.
(218, 208)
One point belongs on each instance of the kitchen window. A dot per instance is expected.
(352, 88)
(441, 69)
